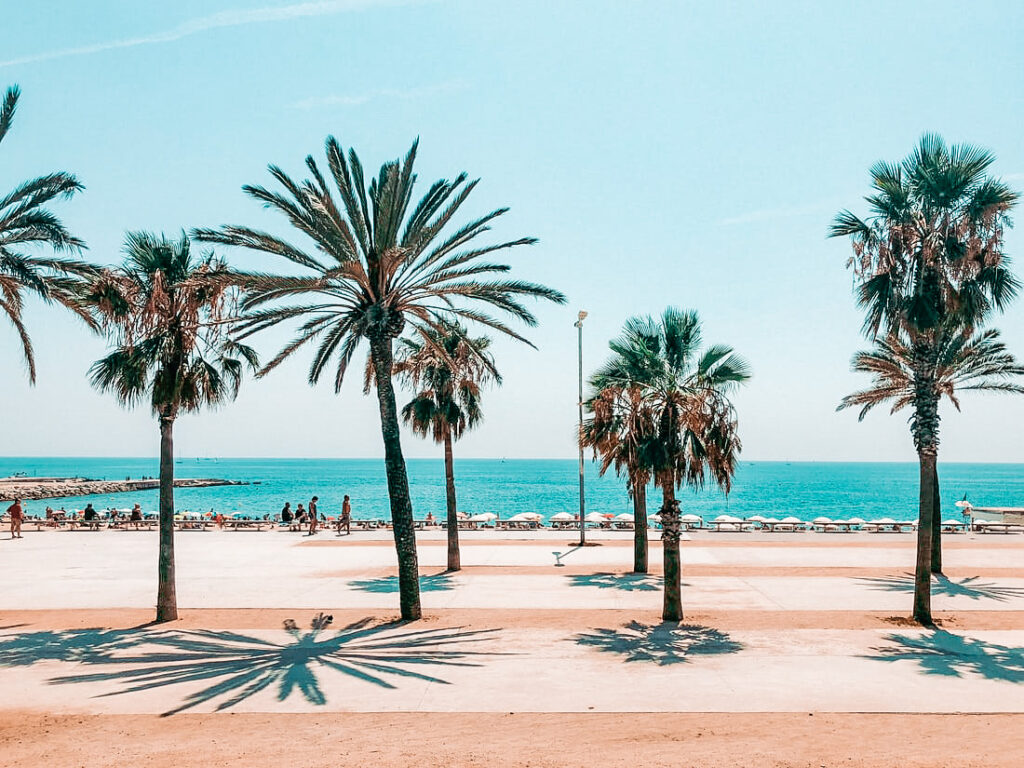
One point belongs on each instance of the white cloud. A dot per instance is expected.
(223, 19)
(403, 94)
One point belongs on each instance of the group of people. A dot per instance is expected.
(89, 516)
(298, 519)
(312, 516)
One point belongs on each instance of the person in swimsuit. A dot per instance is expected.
(17, 515)
(313, 517)
(345, 521)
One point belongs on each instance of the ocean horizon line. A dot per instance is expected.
(180, 459)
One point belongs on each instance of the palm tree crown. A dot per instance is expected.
(26, 222)
(966, 362)
(932, 248)
(685, 392)
(166, 309)
(377, 264)
(446, 369)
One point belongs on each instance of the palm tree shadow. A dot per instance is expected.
(663, 644)
(438, 582)
(969, 587)
(944, 653)
(74, 645)
(230, 667)
(629, 582)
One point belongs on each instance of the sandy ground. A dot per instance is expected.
(808, 617)
(790, 740)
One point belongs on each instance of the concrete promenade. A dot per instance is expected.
(808, 623)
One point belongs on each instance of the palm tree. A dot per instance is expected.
(166, 310)
(929, 263)
(686, 392)
(621, 432)
(376, 266)
(25, 221)
(446, 367)
(966, 362)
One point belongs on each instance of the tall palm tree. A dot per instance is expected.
(376, 265)
(166, 309)
(929, 262)
(621, 432)
(965, 362)
(695, 427)
(25, 221)
(446, 368)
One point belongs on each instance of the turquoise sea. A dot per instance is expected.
(506, 487)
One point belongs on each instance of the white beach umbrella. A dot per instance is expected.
(791, 520)
(530, 516)
(771, 520)
(822, 520)
(686, 518)
(855, 521)
(726, 519)
(520, 518)
(951, 521)
(657, 518)
(963, 504)
(625, 516)
(756, 519)
(483, 517)
(884, 521)
(563, 517)
(595, 517)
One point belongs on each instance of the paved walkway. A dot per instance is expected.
(596, 660)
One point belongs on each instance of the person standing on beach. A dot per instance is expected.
(136, 516)
(17, 514)
(346, 516)
(313, 517)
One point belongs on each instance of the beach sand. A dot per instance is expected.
(794, 653)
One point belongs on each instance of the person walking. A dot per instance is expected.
(314, 518)
(17, 515)
(345, 521)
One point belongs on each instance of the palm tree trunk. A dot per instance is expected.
(454, 563)
(166, 595)
(937, 526)
(923, 571)
(639, 527)
(672, 608)
(398, 481)
(925, 425)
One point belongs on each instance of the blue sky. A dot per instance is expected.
(663, 152)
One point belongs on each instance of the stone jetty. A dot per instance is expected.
(58, 487)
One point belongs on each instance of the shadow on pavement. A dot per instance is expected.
(438, 582)
(662, 644)
(630, 582)
(944, 653)
(942, 585)
(233, 666)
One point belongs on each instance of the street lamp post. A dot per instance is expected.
(583, 524)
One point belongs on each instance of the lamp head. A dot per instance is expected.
(581, 316)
